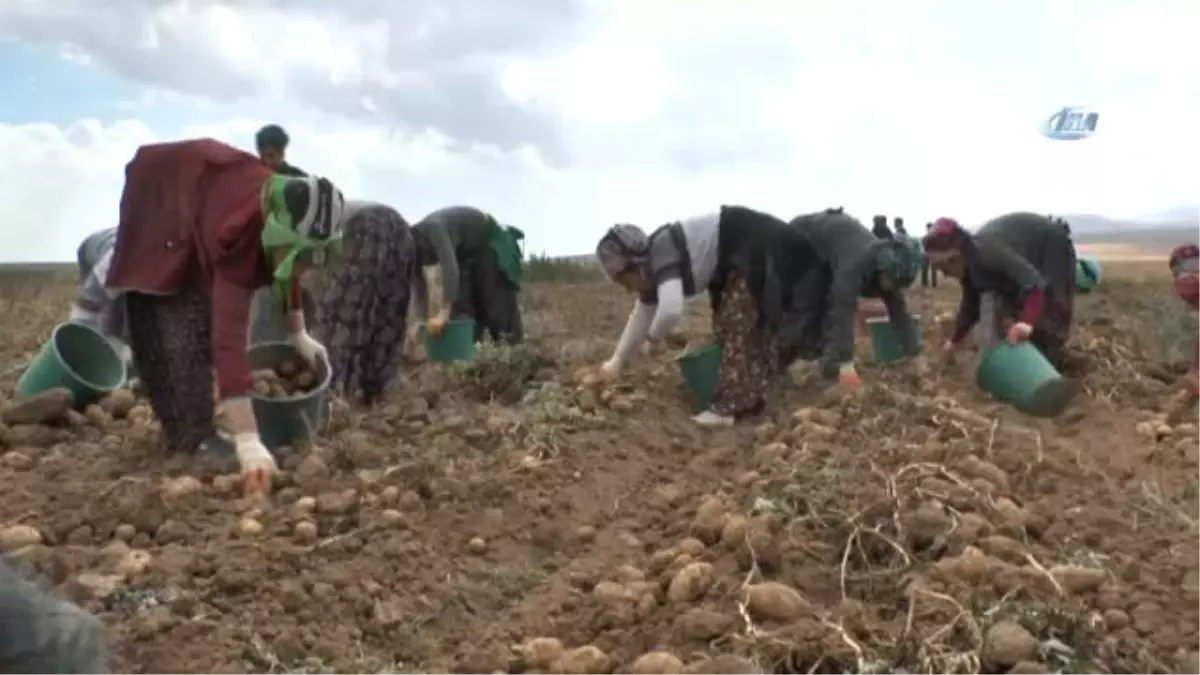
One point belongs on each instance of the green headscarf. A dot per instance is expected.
(283, 229)
(901, 258)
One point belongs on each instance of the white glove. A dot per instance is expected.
(313, 352)
(258, 465)
(123, 350)
(609, 369)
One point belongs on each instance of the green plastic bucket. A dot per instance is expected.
(884, 345)
(1021, 376)
(456, 343)
(286, 421)
(700, 368)
(77, 358)
(1087, 274)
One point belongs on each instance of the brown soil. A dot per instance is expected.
(916, 525)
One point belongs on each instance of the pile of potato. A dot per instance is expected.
(286, 380)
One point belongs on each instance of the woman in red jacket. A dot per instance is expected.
(203, 225)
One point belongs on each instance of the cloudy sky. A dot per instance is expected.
(563, 116)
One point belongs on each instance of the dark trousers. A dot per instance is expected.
(486, 295)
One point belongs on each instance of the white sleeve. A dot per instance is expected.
(634, 333)
(670, 309)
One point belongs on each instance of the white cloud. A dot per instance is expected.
(642, 111)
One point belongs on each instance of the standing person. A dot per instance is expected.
(898, 226)
(929, 273)
(202, 226)
(1018, 280)
(365, 305)
(747, 260)
(481, 271)
(272, 142)
(879, 227)
(40, 633)
(855, 264)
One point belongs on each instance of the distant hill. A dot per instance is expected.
(1153, 232)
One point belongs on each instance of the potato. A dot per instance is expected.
(119, 403)
(305, 531)
(776, 601)
(541, 652)
(582, 661)
(249, 527)
(290, 378)
(690, 583)
(657, 663)
(19, 536)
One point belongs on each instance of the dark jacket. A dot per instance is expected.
(1025, 258)
(770, 255)
(849, 250)
(452, 238)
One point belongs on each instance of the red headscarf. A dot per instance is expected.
(943, 237)
(1185, 267)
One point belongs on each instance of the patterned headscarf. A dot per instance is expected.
(622, 248)
(304, 216)
(1185, 267)
(901, 259)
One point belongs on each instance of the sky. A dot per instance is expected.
(565, 116)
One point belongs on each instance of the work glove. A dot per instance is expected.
(257, 464)
(609, 370)
(313, 352)
(1019, 332)
(437, 324)
(848, 377)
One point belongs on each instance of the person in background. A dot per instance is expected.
(929, 273)
(272, 142)
(1018, 280)
(364, 310)
(879, 227)
(854, 263)
(202, 226)
(481, 265)
(747, 260)
(93, 305)
(40, 633)
(898, 226)
(267, 324)
(1185, 274)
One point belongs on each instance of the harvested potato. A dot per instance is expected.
(541, 652)
(19, 536)
(691, 583)
(657, 663)
(286, 380)
(776, 601)
(582, 661)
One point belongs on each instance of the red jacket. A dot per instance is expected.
(191, 216)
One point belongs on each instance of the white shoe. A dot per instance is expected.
(709, 418)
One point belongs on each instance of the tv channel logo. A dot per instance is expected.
(1072, 123)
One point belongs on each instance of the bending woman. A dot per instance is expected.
(747, 260)
(1018, 280)
(202, 226)
(855, 263)
(481, 271)
(364, 310)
